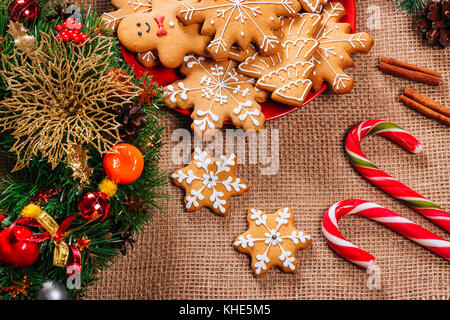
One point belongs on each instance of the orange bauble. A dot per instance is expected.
(123, 164)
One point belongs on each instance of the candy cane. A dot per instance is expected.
(384, 216)
(384, 181)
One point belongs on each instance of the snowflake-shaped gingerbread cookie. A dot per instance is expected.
(209, 182)
(159, 35)
(217, 93)
(336, 43)
(272, 240)
(124, 8)
(287, 73)
(238, 21)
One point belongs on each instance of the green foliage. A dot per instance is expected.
(108, 237)
(410, 6)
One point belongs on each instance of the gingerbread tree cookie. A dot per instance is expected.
(271, 240)
(217, 93)
(313, 6)
(335, 46)
(124, 9)
(209, 182)
(286, 73)
(161, 32)
(238, 21)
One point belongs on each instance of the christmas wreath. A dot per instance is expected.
(84, 138)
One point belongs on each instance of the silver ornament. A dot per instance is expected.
(51, 290)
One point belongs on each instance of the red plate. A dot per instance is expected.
(271, 109)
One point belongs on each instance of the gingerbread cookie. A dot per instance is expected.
(238, 21)
(271, 240)
(335, 46)
(313, 6)
(239, 55)
(148, 59)
(286, 73)
(124, 9)
(217, 93)
(209, 182)
(161, 32)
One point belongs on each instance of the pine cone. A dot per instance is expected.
(132, 120)
(434, 23)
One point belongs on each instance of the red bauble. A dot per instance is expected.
(23, 10)
(123, 164)
(15, 249)
(94, 204)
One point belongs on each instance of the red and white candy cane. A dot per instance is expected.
(384, 216)
(384, 181)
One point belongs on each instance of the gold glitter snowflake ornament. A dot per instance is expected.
(57, 101)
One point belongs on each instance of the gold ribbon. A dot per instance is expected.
(61, 252)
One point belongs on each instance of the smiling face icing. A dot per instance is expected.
(141, 32)
(161, 31)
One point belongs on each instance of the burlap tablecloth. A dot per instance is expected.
(189, 256)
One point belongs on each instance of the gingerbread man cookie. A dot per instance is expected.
(286, 73)
(124, 9)
(209, 182)
(238, 21)
(160, 31)
(217, 93)
(272, 240)
(335, 46)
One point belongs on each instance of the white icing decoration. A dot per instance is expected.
(209, 178)
(239, 10)
(171, 24)
(272, 238)
(148, 56)
(138, 6)
(292, 65)
(324, 51)
(220, 85)
(314, 7)
(282, 92)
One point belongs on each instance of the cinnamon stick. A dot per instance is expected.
(410, 72)
(410, 66)
(427, 102)
(424, 110)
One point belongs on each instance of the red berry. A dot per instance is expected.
(80, 26)
(59, 27)
(66, 38)
(15, 249)
(64, 25)
(58, 37)
(76, 39)
(2, 217)
(83, 37)
(75, 31)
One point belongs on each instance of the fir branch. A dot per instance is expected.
(410, 6)
(108, 238)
